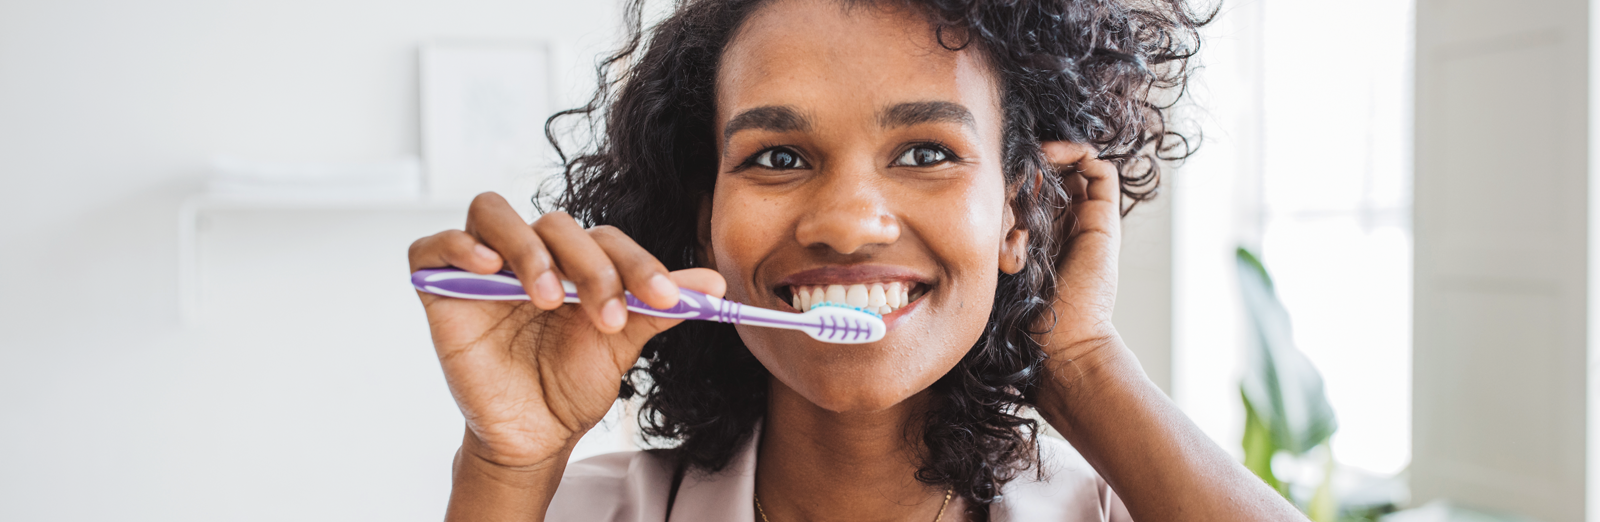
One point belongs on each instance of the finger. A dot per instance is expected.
(1093, 183)
(491, 219)
(1064, 157)
(584, 263)
(642, 274)
(1101, 206)
(1105, 183)
(453, 248)
(704, 280)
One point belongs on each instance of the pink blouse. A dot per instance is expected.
(632, 486)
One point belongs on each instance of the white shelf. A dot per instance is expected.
(195, 207)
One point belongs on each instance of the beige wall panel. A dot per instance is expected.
(1501, 184)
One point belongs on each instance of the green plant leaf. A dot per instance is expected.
(1259, 449)
(1280, 386)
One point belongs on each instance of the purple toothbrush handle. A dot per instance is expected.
(504, 286)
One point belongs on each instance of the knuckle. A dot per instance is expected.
(597, 277)
(532, 256)
(423, 244)
(646, 265)
(550, 221)
(556, 217)
(484, 199)
(605, 274)
(608, 234)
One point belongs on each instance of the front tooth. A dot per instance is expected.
(835, 294)
(856, 296)
(796, 299)
(875, 298)
(893, 297)
(884, 310)
(802, 297)
(816, 297)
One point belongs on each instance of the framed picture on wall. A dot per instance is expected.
(484, 105)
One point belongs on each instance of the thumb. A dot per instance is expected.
(704, 280)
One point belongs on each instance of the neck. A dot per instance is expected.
(817, 465)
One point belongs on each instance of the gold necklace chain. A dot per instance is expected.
(935, 519)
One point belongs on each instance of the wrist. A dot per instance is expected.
(484, 489)
(1077, 385)
(476, 457)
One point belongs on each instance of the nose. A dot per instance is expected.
(848, 212)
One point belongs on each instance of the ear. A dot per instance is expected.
(1014, 248)
(705, 255)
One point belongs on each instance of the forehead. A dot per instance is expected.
(821, 56)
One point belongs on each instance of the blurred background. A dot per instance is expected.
(209, 204)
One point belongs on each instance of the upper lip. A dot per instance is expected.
(853, 275)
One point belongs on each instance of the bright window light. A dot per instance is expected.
(1337, 208)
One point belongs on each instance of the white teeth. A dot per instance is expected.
(878, 297)
(875, 298)
(856, 295)
(835, 293)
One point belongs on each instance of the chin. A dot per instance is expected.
(861, 387)
(862, 398)
(860, 378)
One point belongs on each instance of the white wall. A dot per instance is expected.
(281, 403)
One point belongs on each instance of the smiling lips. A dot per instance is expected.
(878, 297)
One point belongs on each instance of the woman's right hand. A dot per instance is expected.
(531, 377)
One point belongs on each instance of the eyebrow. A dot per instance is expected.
(775, 118)
(783, 118)
(914, 113)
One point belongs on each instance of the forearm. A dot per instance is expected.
(485, 491)
(1157, 460)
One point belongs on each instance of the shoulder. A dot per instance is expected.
(629, 486)
(1064, 488)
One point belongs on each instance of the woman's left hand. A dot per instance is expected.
(1095, 393)
(1086, 265)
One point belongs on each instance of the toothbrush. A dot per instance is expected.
(827, 322)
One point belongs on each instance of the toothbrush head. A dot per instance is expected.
(844, 324)
(845, 306)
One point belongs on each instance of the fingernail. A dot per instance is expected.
(663, 286)
(483, 252)
(614, 314)
(549, 287)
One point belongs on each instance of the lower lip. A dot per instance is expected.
(900, 314)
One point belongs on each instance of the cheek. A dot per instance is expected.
(964, 228)
(743, 229)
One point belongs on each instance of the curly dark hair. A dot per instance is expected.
(1102, 72)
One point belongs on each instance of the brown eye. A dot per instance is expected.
(921, 156)
(780, 159)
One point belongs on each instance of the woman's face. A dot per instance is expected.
(857, 154)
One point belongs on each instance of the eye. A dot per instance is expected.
(922, 156)
(779, 159)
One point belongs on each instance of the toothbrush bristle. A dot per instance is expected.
(845, 306)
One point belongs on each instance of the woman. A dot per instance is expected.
(764, 149)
